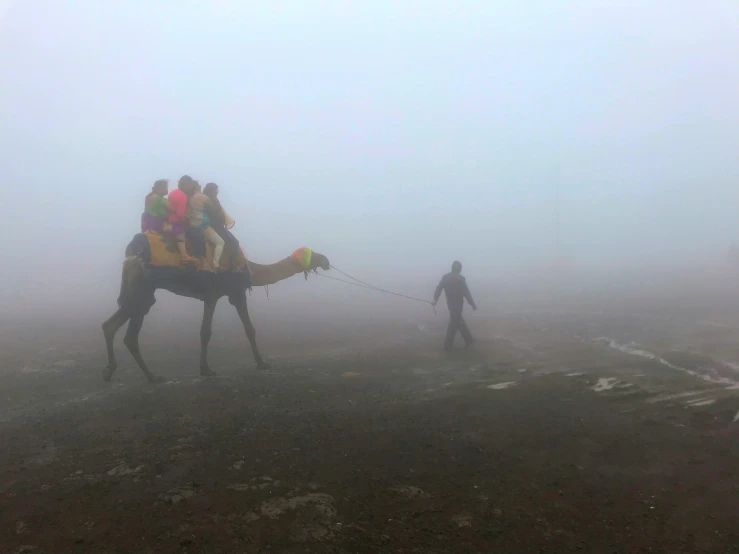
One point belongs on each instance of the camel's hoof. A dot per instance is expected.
(263, 365)
(108, 373)
(207, 372)
(154, 379)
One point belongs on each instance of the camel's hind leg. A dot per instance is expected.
(131, 340)
(110, 328)
(133, 296)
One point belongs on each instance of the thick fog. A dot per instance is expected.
(394, 137)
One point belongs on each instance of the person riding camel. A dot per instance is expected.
(220, 222)
(199, 212)
(156, 208)
(178, 200)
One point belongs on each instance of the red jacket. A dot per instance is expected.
(178, 205)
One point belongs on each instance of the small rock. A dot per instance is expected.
(241, 487)
(20, 528)
(123, 469)
(24, 549)
(176, 495)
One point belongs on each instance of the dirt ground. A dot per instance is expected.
(558, 433)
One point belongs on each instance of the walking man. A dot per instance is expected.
(456, 291)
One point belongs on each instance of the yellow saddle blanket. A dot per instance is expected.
(164, 253)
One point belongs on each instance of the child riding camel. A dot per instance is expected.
(156, 208)
(178, 200)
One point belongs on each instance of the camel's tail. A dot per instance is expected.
(133, 272)
(133, 277)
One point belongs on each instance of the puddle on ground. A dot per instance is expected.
(501, 386)
(605, 383)
(700, 402)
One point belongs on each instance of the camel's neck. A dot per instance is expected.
(271, 274)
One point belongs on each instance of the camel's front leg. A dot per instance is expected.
(240, 305)
(131, 340)
(110, 328)
(206, 330)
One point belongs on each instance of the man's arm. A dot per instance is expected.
(468, 296)
(439, 288)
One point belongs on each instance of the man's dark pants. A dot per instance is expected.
(456, 323)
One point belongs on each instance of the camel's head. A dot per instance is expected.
(319, 261)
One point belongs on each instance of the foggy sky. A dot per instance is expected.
(392, 136)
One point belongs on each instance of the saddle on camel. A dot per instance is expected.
(186, 247)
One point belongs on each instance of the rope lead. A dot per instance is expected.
(361, 284)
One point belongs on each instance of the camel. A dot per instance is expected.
(137, 297)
